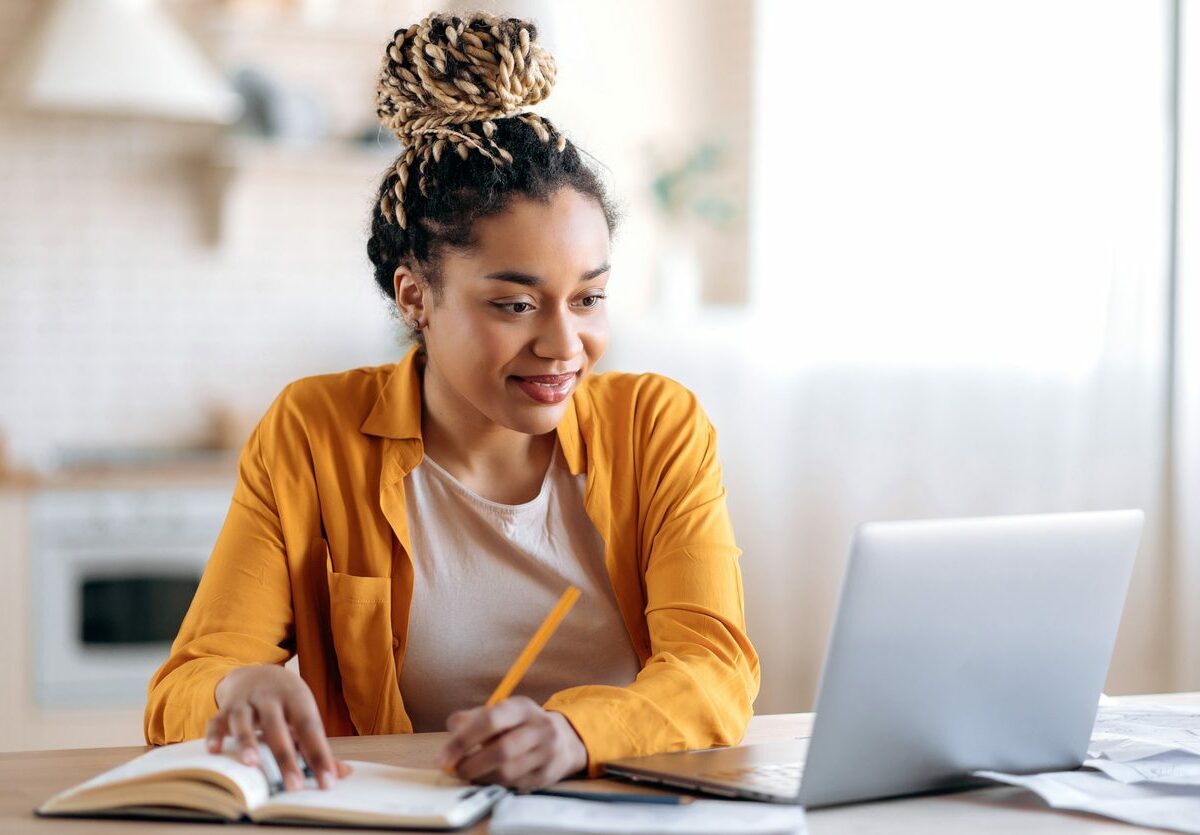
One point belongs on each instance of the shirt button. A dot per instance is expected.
(395, 642)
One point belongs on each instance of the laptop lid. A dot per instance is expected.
(963, 644)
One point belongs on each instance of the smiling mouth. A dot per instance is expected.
(548, 380)
(547, 389)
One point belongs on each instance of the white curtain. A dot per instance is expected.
(960, 234)
(1185, 447)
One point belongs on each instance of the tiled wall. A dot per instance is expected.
(121, 318)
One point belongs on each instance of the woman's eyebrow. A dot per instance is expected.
(527, 280)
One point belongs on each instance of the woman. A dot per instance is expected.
(404, 528)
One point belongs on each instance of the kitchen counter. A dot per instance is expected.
(206, 468)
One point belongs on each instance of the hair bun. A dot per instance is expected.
(448, 70)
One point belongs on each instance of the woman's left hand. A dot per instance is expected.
(514, 743)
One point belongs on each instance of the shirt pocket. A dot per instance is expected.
(360, 618)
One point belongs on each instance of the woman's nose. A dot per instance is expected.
(558, 337)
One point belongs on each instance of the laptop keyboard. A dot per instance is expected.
(780, 777)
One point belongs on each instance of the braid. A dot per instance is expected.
(442, 83)
(455, 90)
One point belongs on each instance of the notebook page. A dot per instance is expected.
(191, 759)
(373, 791)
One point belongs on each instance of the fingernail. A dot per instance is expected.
(292, 782)
(250, 756)
(327, 780)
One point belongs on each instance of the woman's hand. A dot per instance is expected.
(514, 743)
(277, 701)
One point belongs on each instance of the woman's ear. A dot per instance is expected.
(411, 295)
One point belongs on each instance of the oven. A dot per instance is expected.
(113, 572)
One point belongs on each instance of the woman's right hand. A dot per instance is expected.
(277, 701)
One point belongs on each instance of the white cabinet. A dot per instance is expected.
(61, 686)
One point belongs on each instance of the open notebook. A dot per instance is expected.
(185, 781)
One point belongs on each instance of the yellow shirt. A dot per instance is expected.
(313, 559)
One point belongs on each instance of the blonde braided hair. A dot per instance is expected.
(456, 92)
(443, 84)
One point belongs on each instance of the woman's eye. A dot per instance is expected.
(593, 300)
(513, 307)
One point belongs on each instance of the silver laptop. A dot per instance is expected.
(958, 644)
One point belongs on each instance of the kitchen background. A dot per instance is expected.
(916, 259)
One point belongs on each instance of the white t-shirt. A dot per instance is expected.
(485, 575)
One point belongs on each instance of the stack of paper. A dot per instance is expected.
(536, 815)
(1147, 761)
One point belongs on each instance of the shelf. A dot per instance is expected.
(242, 160)
(333, 157)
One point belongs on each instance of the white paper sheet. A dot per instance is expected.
(1172, 768)
(1147, 758)
(538, 815)
(1127, 732)
(1122, 749)
(1163, 806)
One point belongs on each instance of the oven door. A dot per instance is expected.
(111, 588)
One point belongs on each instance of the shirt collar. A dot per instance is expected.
(397, 409)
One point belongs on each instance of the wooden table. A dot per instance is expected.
(28, 778)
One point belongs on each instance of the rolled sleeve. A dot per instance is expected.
(241, 613)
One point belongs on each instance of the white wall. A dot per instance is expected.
(122, 320)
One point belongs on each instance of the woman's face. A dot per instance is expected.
(520, 318)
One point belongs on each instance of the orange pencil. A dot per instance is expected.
(513, 677)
